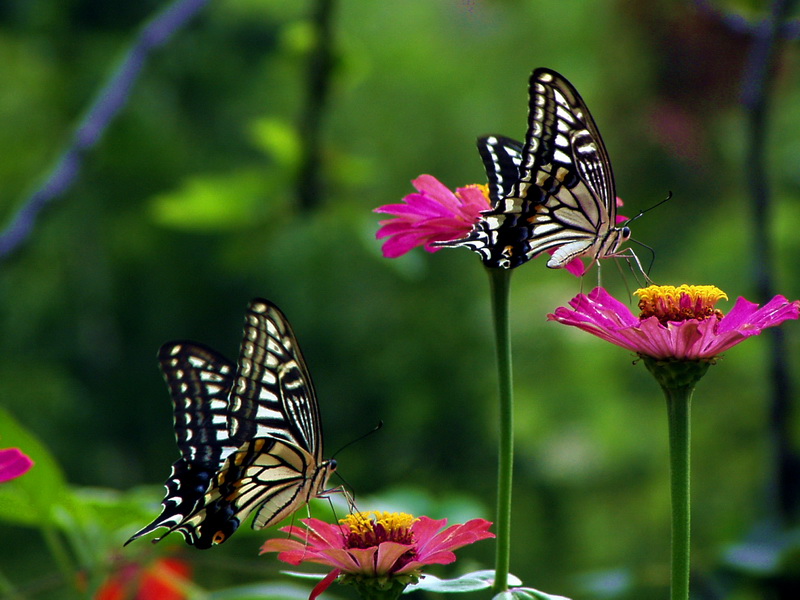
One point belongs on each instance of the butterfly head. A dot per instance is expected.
(324, 471)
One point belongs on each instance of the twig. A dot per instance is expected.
(108, 102)
(320, 68)
(737, 23)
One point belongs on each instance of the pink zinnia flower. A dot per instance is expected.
(676, 323)
(432, 214)
(375, 550)
(13, 463)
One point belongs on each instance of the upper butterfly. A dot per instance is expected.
(555, 192)
(250, 440)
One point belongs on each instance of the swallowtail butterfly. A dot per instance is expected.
(562, 193)
(249, 435)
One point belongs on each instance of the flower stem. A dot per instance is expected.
(677, 378)
(500, 280)
(679, 408)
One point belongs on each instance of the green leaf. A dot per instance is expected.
(30, 499)
(469, 582)
(212, 203)
(278, 139)
(301, 575)
(526, 593)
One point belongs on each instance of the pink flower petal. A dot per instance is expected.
(388, 555)
(324, 584)
(432, 214)
(13, 463)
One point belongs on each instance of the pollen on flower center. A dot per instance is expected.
(681, 303)
(368, 529)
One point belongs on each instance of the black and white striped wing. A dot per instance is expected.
(566, 188)
(273, 395)
(267, 475)
(200, 381)
(502, 158)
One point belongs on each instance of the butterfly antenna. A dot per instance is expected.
(359, 438)
(656, 205)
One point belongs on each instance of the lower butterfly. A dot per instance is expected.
(249, 435)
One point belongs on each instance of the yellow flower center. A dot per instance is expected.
(681, 303)
(482, 187)
(368, 529)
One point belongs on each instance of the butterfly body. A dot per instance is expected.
(249, 435)
(562, 195)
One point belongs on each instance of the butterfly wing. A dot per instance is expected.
(273, 395)
(200, 381)
(566, 189)
(502, 158)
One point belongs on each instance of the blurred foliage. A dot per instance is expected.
(187, 209)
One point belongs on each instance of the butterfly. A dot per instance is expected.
(249, 434)
(554, 192)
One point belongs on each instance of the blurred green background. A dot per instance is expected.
(188, 208)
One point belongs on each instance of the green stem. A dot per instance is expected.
(500, 280)
(679, 401)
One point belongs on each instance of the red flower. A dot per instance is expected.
(379, 550)
(13, 463)
(163, 579)
(677, 323)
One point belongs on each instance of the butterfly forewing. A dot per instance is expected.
(273, 394)
(259, 445)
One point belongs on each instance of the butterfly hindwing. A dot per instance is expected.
(502, 158)
(199, 380)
